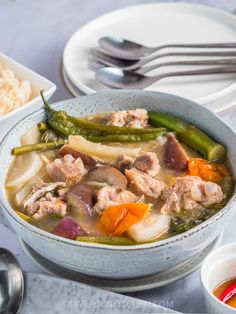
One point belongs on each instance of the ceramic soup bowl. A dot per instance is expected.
(122, 261)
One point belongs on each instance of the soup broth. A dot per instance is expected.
(133, 188)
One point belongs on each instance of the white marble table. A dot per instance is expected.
(35, 32)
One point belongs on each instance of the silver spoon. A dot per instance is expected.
(126, 49)
(118, 78)
(11, 283)
(136, 64)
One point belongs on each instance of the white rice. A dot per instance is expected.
(13, 92)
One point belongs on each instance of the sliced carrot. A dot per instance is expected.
(193, 166)
(124, 225)
(112, 216)
(117, 219)
(208, 171)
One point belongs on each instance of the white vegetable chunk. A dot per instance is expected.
(150, 228)
(25, 168)
(99, 150)
(32, 136)
(25, 190)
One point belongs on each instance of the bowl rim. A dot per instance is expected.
(48, 91)
(166, 242)
(204, 267)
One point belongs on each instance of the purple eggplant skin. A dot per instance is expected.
(87, 159)
(68, 228)
(175, 156)
(80, 198)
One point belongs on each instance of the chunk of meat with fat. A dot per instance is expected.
(66, 169)
(190, 193)
(148, 163)
(175, 156)
(128, 118)
(124, 162)
(87, 159)
(53, 206)
(39, 190)
(109, 196)
(46, 199)
(171, 201)
(143, 183)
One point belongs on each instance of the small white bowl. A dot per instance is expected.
(37, 81)
(219, 266)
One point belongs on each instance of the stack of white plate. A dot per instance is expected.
(152, 25)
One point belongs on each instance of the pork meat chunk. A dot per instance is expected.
(144, 183)
(124, 162)
(39, 190)
(46, 207)
(46, 199)
(129, 118)
(190, 193)
(110, 196)
(66, 169)
(148, 163)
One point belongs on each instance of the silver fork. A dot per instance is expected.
(133, 65)
(95, 64)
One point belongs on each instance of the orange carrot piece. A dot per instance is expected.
(112, 216)
(117, 219)
(208, 171)
(124, 225)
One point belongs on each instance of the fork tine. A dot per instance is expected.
(96, 60)
(108, 60)
(95, 66)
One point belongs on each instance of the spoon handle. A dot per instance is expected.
(147, 69)
(199, 45)
(181, 54)
(218, 70)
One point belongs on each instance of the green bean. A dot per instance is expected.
(190, 135)
(227, 186)
(42, 126)
(63, 129)
(107, 240)
(94, 127)
(66, 131)
(25, 217)
(125, 138)
(109, 129)
(46, 104)
(37, 147)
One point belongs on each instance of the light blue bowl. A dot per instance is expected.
(122, 261)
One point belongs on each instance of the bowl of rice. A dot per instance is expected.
(19, 92)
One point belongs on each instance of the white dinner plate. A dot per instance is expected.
(157, 24)
(126, 285)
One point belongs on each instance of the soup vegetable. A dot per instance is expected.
(119, 178)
